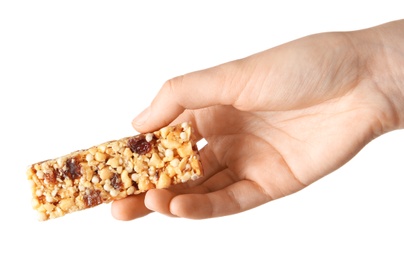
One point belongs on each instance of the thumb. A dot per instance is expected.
(194, 90)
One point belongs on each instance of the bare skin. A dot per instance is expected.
(278, 120)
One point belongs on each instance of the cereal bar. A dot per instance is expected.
(114, 170)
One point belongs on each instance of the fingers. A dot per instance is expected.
(159, 200)
(222, 194)
(219, 196)
(191, 91)
(238, 197)
(129, 208)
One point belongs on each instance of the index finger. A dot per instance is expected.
(194, 90)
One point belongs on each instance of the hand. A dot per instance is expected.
(276, 121)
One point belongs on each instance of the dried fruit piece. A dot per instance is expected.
(139, 144)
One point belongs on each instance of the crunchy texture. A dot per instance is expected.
(114, 170)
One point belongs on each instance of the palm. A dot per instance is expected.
(278, 152)
(281, 152)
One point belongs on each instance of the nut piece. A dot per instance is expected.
(155, 161)
(105, 174)
(164, 181)
(101, 157)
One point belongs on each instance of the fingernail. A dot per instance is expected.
(142, 117)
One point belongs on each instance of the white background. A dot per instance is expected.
(74, 73)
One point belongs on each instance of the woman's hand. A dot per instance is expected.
(278, 120)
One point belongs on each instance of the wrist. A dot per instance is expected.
(382, 50)
(392, 36)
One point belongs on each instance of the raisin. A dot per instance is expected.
(139, 145)
(116, 182)
(92, 199)
(72, 169)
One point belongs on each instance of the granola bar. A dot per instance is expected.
(114, 170)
